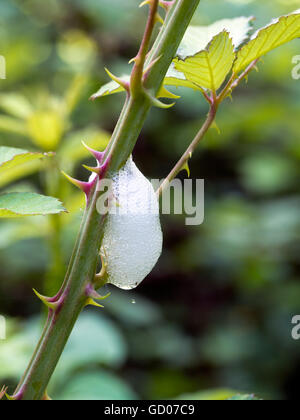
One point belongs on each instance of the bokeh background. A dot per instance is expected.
(214, 317)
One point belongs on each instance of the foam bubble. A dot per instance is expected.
(132, 242)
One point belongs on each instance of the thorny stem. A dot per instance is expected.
(136, 82)
(234, 81)
(3, 391)
(214, 102)
(72, 297)
(244, 74)
(190, 150)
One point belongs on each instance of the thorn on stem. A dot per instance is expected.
(46, 301)
(103, 271)
(165, 93)
(145, 3)
(46, 397)
(16, 397)
(91, 302)
(3, 392)
(162, 3)
(159, 19)
(85, 187)
(166, 4)
(118, 80)
(157, 103)
(133, 60)
(93, 295)
(97, 170)
(98, 155)
(216, 127)
(186, 168)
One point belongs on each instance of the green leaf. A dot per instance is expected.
(15, 230)
(14, 354)
(210, 395)
(16, 105)
(11, 157)
(74, 92)
(96, 386)
(16, 163)
(178, 79)
(95, 339)
(243, 398)
(13, 125)
(197, 39)
(28, 204)
(209, 68)
(46, 128)
(279, 32)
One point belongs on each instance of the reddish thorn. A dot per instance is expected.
(98, 155)
(86, 187)
(97, 170)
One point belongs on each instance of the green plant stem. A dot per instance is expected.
(83, 264)
(235, 80)
(136, 83)
(232, 83)
(183, 161)
(56, 268)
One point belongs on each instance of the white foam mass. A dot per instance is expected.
(132, 242)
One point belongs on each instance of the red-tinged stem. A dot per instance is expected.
(235, 80)
(2, 392)
(244, 74)
(136, 82)
(190, 150)
(214, 102)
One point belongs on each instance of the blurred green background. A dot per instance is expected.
(216, 311)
